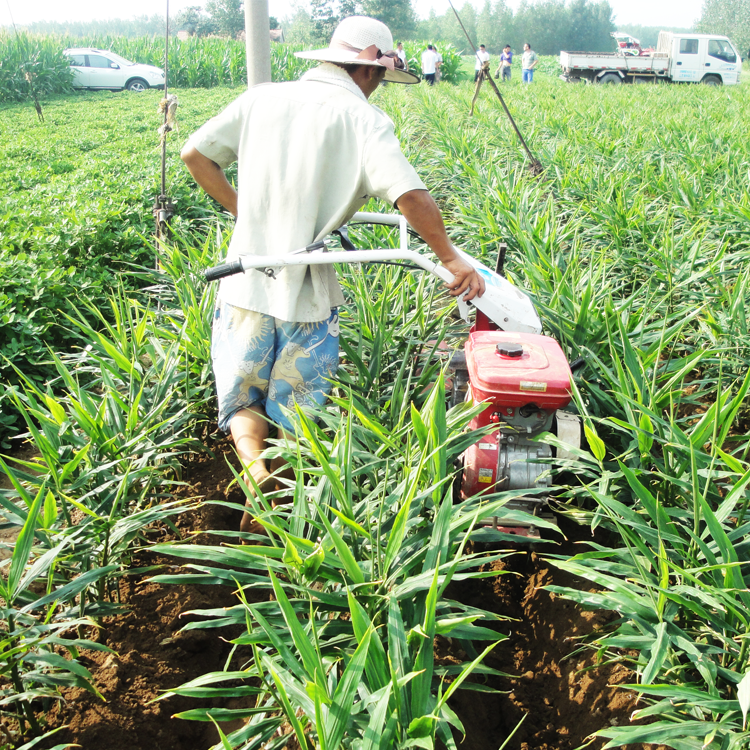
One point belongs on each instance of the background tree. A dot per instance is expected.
(326, 14)
(548, 25)
(130, 27)
(729, 18)
(227, 15)
(195, 21)
(324, 19)
(398, 15)
(299, 28)
(589, 25)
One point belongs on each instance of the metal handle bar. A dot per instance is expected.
(270, 263)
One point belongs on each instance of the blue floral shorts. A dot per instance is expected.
(259, 360)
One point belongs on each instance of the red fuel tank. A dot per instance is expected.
(515, 369)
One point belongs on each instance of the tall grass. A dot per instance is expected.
(193, 63)
(30, 66)
(109, 436)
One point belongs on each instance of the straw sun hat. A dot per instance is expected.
(359, 40)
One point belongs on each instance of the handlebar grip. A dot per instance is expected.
(225, 269)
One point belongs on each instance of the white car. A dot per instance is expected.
(97, 69)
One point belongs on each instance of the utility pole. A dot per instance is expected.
(257, 42)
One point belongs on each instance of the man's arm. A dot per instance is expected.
(421, 211)
(210, 176)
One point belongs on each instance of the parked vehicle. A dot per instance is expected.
(99, 69)
(678, 58)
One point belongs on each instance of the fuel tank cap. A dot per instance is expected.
(510, 349)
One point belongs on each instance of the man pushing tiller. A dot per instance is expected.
(310, 153)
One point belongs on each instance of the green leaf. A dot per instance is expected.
(596, 444)
(645, 435)
(345, 554)
(72, 589)
(423, 726)
(304, 643)
(22, 548)
(340, 714)
(57, 411)
(291, 714)
(317, 693)
(291, 554)
(658, 654)
(743, 696)
(49, 514)
(224, 741)
(311, 564)
(420, 429)
(397, 534)
(376, 666)
(374, 730)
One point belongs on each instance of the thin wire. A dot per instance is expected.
(10, 12)
(536, 165)
(166, 109)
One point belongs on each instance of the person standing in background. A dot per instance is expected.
(483, 61)
(402, 55)
(506, 58)
(529, 60)
(438, 65)
(429, 65)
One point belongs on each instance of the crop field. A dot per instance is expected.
(379, 613)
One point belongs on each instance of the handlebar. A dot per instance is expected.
(225, 269)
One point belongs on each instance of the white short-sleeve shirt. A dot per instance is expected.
(429, 58)
(310, 153)
(482, 56)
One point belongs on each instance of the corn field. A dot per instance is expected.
(193, 63)
(634, 243)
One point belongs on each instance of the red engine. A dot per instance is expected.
(524, 379)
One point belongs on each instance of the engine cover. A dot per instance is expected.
(524, 379)
(516, 369)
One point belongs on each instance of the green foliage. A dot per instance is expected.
(397, 15)
(193, 63)
(728, 18)
(635, 246)
(130, 27)
(194, 20)
(359, 571)
(450, 70)
(227, 15)
(108, 446)
(548, 25)
(70, 235)
(29, 68)
(325, 16)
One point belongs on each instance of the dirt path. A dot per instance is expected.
(151, 654)
(564, 697)
(564, 704)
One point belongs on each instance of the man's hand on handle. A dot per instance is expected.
(466, 279)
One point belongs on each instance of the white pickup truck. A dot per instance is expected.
(678, 58)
